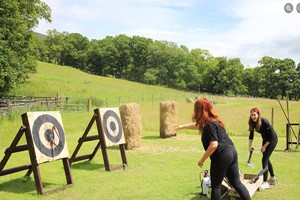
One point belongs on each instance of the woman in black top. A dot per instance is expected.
(269, 142)
(218, 146)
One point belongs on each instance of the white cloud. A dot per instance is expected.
(248, 29)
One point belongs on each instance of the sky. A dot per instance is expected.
(245, 29)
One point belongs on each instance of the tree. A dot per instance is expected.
(150, 76)
(54, 41)
(123, 57)
(226, 77)
(17, 58)
(96, 58)
(287, 76)
(74, 51)
(42, 51)
(253, 80)
(109, 57)
(296, 85)
(139, 47)
(234, 75)
(156, 59)
(198, 63)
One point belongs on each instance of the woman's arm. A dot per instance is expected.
(210, 150)
(186, 126)
(250, 144)
(263, 148)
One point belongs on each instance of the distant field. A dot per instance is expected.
(160, 168)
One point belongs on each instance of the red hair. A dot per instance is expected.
(204, 112)
(255, 109)
(253, 125)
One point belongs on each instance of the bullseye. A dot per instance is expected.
(47, 135)
(112, 124)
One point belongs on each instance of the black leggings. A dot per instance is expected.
(266, 158)
(226, 165)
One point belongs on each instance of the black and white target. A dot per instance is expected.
(48, 136)
(112, 126)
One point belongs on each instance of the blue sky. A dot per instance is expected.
(245, 29)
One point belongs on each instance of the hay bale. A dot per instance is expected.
(132, 124)
(168, 118)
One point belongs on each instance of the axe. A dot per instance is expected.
(249, 159)
(253, 180)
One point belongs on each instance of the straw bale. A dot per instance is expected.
(168, 118)
(132, 124)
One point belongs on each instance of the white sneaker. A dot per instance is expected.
(264, 185)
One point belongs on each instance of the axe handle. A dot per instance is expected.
(250, 156)
(260, 173)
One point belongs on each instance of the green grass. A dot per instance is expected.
(160, 168)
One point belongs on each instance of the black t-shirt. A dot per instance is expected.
(213, 131)
(266, 130)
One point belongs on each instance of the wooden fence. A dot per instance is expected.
(40, 103)
(67, 104)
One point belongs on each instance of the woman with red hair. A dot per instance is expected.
(269, 142)
(218, 146)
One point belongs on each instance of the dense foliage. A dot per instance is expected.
(165, 63)
(17, 55)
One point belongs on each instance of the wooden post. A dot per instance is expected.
(272, 117)
(287, 136)
(57, 99)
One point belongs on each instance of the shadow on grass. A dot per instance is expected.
(23, 185)
(151, 137)
(197, 196)
(86, 165)
(287, 150)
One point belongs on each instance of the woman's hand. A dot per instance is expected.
(178, 128)
(263, 149)
(200, 163)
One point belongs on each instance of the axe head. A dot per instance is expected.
(250, 165)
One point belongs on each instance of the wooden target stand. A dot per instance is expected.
(289, 140)
(289, 127)
(45, 143)
(110, 133)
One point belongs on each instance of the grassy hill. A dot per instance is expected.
(51, 80)
(161, 168)
(70, 82)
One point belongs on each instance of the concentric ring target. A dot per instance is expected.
(48, 135)
(112, 126)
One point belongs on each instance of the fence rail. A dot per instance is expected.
(67, 104)
(36, 103)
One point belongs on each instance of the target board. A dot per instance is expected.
(48, 136)
(111, 126)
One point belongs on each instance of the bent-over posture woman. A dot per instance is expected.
(269, 142)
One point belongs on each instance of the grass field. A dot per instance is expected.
(160, 168)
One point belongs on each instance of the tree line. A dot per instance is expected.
(164, 63)
(135, 58)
